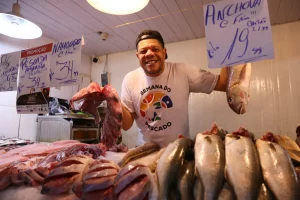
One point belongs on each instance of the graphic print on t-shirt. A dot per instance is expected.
(153, 103)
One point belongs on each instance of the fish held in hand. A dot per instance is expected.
(237, 90)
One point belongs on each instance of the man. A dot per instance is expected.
(156, 95)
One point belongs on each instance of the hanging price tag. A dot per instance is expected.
(33, 80)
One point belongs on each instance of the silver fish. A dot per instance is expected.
(210, 163)
(169, 164)
(186, 180)
(237, 90)
(242, 169)
(278, 171)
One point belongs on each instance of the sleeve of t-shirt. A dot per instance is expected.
(126, 95)
(200, 80)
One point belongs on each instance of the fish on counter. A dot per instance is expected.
(66, 174)
(185, 182)
(150, 160)
(98, 181)
(242, 168)
(210, 162)
(134, 182)
(169, 164)
(139, 152)
(237, 90)
(277, 168)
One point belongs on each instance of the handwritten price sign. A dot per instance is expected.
(65, 62)
(237, 31)
(35, 67)
(9, 66)
(33, 80)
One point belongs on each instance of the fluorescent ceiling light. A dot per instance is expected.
(14, 25)
(118, 7)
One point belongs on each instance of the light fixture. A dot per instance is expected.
(13, 24)
(118, 7)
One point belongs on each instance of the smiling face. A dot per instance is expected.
(151, 55)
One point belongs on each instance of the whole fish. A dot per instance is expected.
(210, 163)
(139, 152)
(237, 89)
(169, 164)
(278, 171)
(186, 180)
(243, 172)
(150, 160)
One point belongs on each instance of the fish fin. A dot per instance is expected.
(208, 139)
(243, 74)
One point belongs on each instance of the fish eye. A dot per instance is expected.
(229, 99)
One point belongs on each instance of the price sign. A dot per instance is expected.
(9, 71)
(65, 62)
(33, 80)
(237, 31)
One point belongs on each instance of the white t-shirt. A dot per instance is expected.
(161, 103)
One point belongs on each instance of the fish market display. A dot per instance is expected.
(92, 97)
(237, 90)
(217, 164)
(135, 182)
(278, 171)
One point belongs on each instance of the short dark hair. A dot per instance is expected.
(150, 34)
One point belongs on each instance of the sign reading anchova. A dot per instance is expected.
(66, 62)
(237, 32)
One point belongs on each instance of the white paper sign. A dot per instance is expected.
(66, 62)
(237, 31)
(9, 71)
(33, 79)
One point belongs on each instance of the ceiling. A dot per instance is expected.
(177, 20)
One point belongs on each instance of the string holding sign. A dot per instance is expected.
(9, 66)
(66, 62)
(245, 29)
